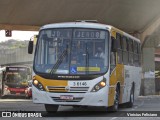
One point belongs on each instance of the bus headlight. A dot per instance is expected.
(99, 85)
(35, 82)
(102, 83)
(38, 85)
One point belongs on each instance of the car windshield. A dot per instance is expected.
(72, 51)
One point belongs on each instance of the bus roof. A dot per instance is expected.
(76, 25)
(86, 25)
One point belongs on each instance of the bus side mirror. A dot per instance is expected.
(114, 45)
(30, 47)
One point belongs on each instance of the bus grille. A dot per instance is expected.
(63, 89)
(75, 99)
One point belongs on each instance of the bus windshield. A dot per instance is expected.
(16, 76)
(72, 51)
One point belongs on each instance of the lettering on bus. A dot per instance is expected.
(61, 33)
(79, 84)
(87, 34)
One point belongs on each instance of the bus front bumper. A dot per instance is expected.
(99, 98)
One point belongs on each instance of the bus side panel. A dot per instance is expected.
(137, 79)
(128, 73)
(120, 79)
(113, 81)
(132, 75)
(116, 76)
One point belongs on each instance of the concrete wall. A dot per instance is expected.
(148, 66)
(18, 55)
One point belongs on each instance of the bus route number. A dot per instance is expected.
(79, 84)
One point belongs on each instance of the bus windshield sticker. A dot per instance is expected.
(92, 69)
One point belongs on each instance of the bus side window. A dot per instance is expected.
(119, 50)
(139, 53)
(125, 50)
(113, 55)
(136, 61)
(130, 49)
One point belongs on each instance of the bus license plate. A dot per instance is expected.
(66, 97)
(78, 83)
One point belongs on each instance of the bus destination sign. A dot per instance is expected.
(89, 34)
(15, 69)
(61, 33)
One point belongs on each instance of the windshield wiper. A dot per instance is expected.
(59, 61)
(87, 60)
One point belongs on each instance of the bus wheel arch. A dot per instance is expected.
(115, 106)
(118, 86)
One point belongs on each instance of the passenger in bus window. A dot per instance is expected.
(99, 53)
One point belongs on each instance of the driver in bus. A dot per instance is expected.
(100, 53)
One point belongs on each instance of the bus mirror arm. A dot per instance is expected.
(30, 47)
(114, 45)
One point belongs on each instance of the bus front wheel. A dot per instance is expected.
(51, 108)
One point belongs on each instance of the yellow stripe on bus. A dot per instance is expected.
(51, 82)
(116, 76)
(93, 69)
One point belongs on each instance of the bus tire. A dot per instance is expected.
(115, 106)
(51, 108)
(131, 101)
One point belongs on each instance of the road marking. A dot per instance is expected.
(142, 103)
(114, 118)
(136, 107)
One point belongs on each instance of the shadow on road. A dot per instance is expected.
(86, 112)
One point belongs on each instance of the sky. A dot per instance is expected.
(17, 35)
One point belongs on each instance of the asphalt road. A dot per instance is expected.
(143, 106)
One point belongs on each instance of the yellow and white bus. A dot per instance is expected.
(69, 71)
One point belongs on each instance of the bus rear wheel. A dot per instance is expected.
(51, 108)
